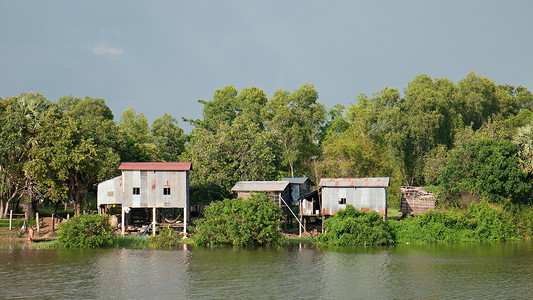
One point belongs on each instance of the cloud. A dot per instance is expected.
(103, 49)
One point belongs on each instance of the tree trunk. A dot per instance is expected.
(77, 208)
(29, 210)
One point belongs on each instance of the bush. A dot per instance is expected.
(240, 222)
(166, 238)
(486, 168)
(85, 231)
(479, 222)
(352, 227)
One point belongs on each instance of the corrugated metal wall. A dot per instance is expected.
(362, 198)
(110, 191)
(152, 184)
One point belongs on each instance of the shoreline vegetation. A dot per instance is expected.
(230, 224)
(470, 141)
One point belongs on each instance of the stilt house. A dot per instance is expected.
(148, 185)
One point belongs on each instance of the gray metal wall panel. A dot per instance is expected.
(361, 198)
(151, 184)
(110, 191)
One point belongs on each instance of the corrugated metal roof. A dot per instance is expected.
(155, 166)
(298, 180)
(355, 182)
(260, 186)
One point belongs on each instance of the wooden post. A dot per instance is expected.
(123, 225)
(10, 219)
(322, 224)
(53, 222)
(37, 221)
(185, 217)
(153, 220)
(68, 217)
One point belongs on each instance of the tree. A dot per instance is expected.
(168, 137)
(98, 135)
(353, 154)
(22, 119)
(241, 151)
(13, 153)
(296, 119)
(227, 104)
(137, 136)
(485, 168)
(524, 139)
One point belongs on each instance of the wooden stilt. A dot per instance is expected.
(10, 219)
(123, 224)
(37, 221)
(153, 220)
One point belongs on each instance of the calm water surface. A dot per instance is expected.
(457, 271)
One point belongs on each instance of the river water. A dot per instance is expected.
(449, 271)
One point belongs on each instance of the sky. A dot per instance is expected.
(163, 56)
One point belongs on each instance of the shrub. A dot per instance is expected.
(479, 222)
(240, 222)
(486, 168)
(85, 231)
(352, 227)
(167, 237)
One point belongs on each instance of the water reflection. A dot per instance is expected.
(491, 270)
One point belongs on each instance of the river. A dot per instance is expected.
(444, 271)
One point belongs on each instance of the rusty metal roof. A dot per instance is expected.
(155, 166)
(355, 182)
(260, 186)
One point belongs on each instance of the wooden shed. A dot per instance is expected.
(416, 200)
(362, 193)
(299, 187)
(275, 189)
(148, 185)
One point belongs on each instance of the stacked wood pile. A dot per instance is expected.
(416, 200)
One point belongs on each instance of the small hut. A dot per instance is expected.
(416, 200)
(277, 190)
(362, 193)
(300, 186)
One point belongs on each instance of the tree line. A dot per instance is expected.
(469, 140)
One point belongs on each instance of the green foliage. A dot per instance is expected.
(479, 222)
(241, 151)
(168, 137)
(351, 227)
(524, 139)
(486, 168)
(240, 222)
(85, 231)
(296, 120)
(166, 238)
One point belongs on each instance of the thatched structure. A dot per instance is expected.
(416, 200)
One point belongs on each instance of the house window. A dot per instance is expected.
(136, 190)
(166, 191)
(342, 200)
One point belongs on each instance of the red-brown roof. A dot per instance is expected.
(155, 166)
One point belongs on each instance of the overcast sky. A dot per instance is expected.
(162, 56)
